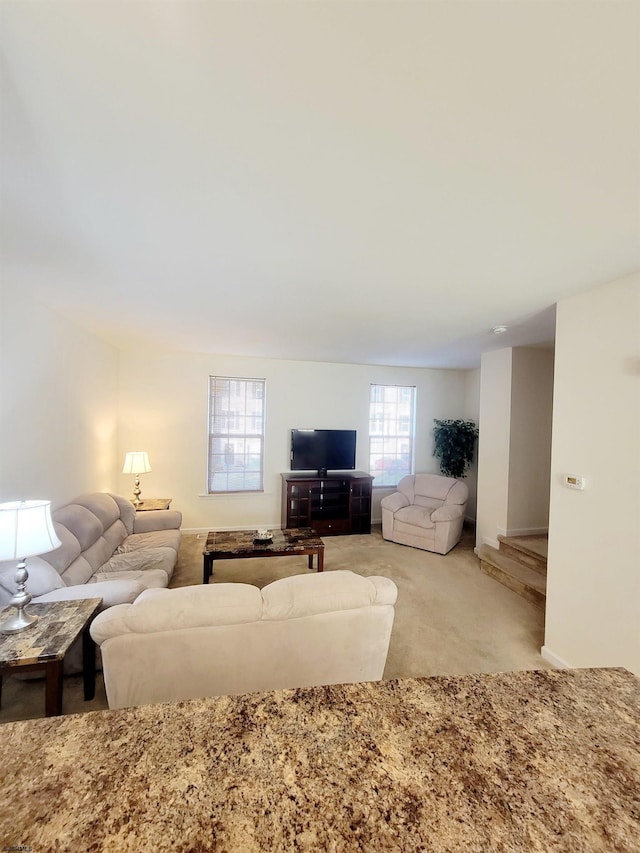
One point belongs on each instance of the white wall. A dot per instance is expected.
(593, 583)
(493, 445)
(516, 394)
(530, 440)
(163, 409)
(58, 395)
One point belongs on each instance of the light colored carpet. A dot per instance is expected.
(450, 619)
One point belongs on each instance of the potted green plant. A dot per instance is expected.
(454, 442)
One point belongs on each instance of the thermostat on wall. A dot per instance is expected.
(574, 482)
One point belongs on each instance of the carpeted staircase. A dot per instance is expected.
(520, 563)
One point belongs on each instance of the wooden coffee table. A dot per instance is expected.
(240, 544)
(44, 645)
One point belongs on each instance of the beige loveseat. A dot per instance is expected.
(228, 638)
(426, 512)
(108, 551)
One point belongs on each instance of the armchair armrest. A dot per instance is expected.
(394, 502)
(157, 519)
(448, 513)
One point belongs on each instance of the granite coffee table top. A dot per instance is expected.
(233, 543)
(523, 761)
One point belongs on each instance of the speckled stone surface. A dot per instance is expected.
(58, 626)
(234, 543)
(526, 761)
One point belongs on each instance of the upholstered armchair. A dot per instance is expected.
(426, 512)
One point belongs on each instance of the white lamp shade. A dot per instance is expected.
(136, 462)
(26, 529)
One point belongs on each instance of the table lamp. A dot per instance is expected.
(26, 529)
(136, 462)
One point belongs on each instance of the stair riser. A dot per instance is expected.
(532, 595)
(524, 557)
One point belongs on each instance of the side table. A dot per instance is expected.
(154, 503)
(44, 645)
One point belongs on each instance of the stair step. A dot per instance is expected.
(527, 582)
(530, 550)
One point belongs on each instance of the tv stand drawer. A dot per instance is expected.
(331, 527)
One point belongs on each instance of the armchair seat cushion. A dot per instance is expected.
(414, 516)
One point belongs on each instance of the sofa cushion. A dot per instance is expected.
(308, 595)
(102, 505)
(186, 607)
(69, 551)
(152, 539)
(84, 525)
(80, 571)
(141, 560)
(145, 578)
(43, 578)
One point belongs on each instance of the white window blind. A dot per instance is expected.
(391, 432)
(236, 434)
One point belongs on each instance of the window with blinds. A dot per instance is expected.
(236, 435)
(391, 432)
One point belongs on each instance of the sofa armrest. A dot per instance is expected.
(110, 623)
(157, 519)
(394, 502)
(448, 513)
(386, 590)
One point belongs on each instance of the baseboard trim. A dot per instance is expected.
(239, 527)
(494, 543)
(553, 659)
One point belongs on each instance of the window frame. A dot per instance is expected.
(232, 416)
(378, 400)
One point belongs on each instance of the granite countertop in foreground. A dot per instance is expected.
(530, 761)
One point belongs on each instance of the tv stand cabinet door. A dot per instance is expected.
(360, 505)
(296, 510)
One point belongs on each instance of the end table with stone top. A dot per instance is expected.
(45, 644)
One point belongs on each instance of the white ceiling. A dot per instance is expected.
(370, 182)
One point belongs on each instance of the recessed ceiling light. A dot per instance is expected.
(499, 330)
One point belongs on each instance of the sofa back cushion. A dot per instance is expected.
(43, 578)
(309, 595)
(187, 607)
(90, 530)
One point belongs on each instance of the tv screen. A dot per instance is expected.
(323, 450)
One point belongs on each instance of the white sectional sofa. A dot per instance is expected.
(108, 551)
(227, 638)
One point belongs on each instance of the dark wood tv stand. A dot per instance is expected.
(335, 503)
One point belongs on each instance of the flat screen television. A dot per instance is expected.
(323, 450)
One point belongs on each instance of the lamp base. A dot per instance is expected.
(18, 622)
(137, 491)
(21, 619)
